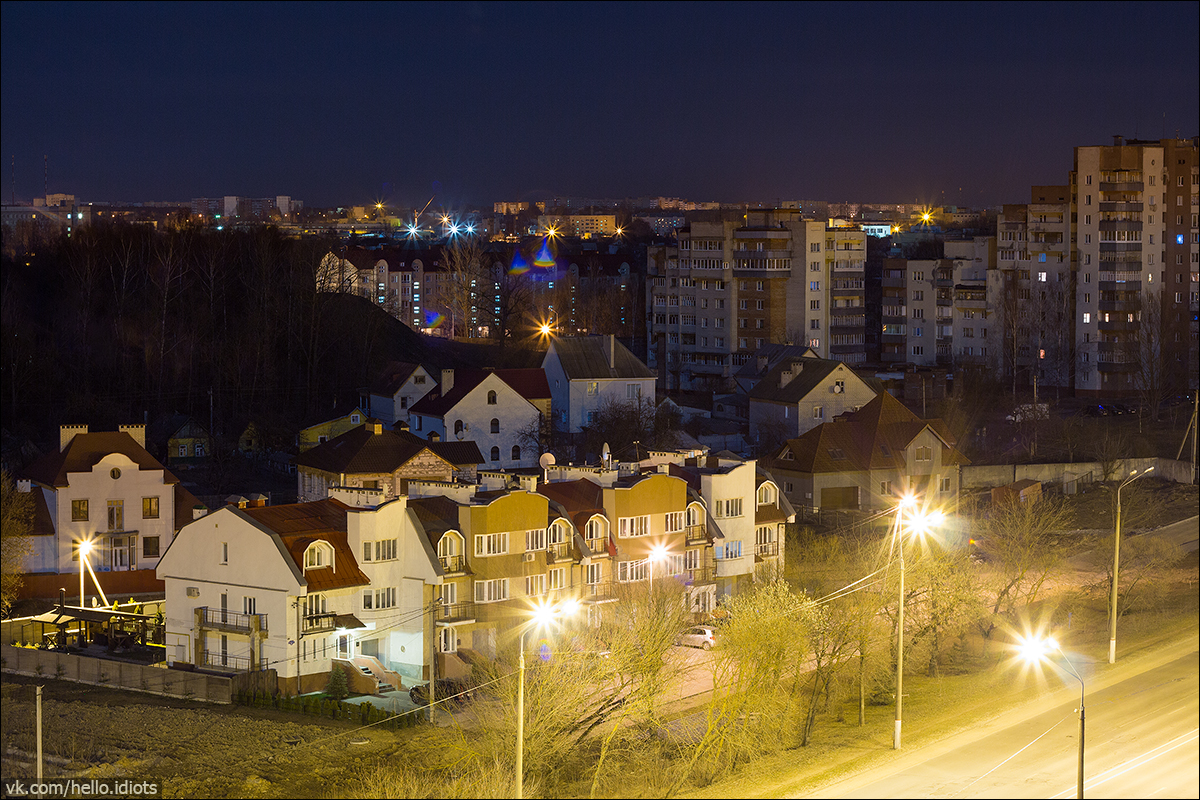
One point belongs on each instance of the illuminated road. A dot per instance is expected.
(1141, 741)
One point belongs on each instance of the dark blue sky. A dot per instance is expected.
(330, 102)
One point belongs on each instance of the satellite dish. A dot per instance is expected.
(604, 451)
(546, 460)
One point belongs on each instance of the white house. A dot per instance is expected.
(584, 372)
(399, 386)
(798, 394)
(296, 588)
(106, 489)
(499, 410)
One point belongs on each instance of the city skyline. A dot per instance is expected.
(474, 103)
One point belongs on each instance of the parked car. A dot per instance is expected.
(699, 636)
(459, 691)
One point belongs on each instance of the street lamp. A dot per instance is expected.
(1112, 622)
(85, 547)
(658, 554)
(1035, 650)
(542, 615)
(918, 523)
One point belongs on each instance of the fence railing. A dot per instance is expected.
(222, 619)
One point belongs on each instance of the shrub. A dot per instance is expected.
(338, 687)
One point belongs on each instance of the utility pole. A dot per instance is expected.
(39, 734)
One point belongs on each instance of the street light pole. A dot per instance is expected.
(1112, 620)
(899, 635)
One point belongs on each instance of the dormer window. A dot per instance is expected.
(355, 419)
(766, 494)
(318, 555)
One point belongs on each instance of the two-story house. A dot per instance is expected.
(326, 429)
(297, 588)
(502, 411)
(584, 372)
(400, 384)
(377, 463)
(866, 459)
(798, 394)
(104, 488)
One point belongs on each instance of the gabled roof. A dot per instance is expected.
(529, 383)
(300, 524)
(586, 357)
(581, 499)
(341, 411)
(808, 374)
(437, 514)
(86, 450)
(392, 377)
(874, 437)
(773, 353)
(364, 451)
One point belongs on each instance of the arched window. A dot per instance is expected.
(694, 516)
(595, 528)
(495, 426)
(516, 453)
(766, 494)
(491, 398)
(495, 454)
(458, 426)
(317, 555)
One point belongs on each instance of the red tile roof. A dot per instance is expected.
(85, 451)
(529, 383)
(300, 524)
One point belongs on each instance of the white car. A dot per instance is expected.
(699, 636)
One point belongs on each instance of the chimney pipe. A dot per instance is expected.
(612, 351)
(447, 381)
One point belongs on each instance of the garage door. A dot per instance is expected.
(839, 497)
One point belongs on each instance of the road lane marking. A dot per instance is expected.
(1134, 763)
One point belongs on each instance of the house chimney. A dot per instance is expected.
(377, 428)
(199, 511)
(68, 432)
(612, 351)
(447, 381)
(762, 363)
(1118, 141)
(138, 432)
(793, 369)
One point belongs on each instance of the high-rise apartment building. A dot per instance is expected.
(726, 289)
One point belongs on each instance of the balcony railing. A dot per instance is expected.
(233, 621)
(318, 623)
(452, 564)
(766, 549)
(597, 547)
(558, 552)
(454, 612)
(224, 661)
(597, 592)
(695, 534)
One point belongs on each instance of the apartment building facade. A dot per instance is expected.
(726, 289)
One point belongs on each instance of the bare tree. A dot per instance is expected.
(15, 543)
(1146, 353)
(463, 282)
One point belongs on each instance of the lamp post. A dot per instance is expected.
(1035, 650)
(1112, 621)
(919, 523)
(541, 615)
(85, 547)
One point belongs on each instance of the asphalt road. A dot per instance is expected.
(1141, 741)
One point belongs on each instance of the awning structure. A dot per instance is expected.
(63, 615)
(347, 622)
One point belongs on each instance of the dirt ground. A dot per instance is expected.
(194, 749)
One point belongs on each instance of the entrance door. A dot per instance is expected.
(120, 554)
(343, 647)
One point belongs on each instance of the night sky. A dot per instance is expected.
(346, 104)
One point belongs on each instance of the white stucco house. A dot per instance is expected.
(106, 489)
(799, 393)
(496, 409)
(584, 372)
(400, 384)
(297, 588)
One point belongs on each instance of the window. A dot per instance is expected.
(628, 571)
(495, 454)
(924, 453)
(535, 585)
(79, 510)
(535, 539)
(458, 426)
(945, 485)
(814, 325)
(116, 515)
(633, 390)
(733, 549)
(633, 526)
(766, 494)
(150, 547)
(491, 544)
(594, 574)
(558, 578)
(491, 398)
(595, 529)
(385, 550)
(674, 521)
(249, 604)
(149, 508)
(729, 508)
(491, 591)
(418, 380)
(593, 388)
(224, 552)
(814, 305)
(918, 350)
(818, 412)
(516, 453)
(1087, 317)
(885, 487)
(183, 449)
(318, 554)
(495, 425)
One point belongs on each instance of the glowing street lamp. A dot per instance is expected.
(658, 554)
(542, 615)
(919, 523)
(1112, 620)
(1036, 650)
(85, 547)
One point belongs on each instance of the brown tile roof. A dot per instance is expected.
(581, 499)
(364, 451)
(85, 451)
(529, 383)
(812, 372)
(300, 524)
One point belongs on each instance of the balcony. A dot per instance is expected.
(596, 548)
(894, 283)
(1120, 305)
(699, 575)
(598, 592)
(1120, 247)
(696, 534)
(318, 623)
(766, 549)
(558, 552)
(1122, 186)
(452, 565)
(1120, 207)
(231, 621)
(225, 662)
(448, 613)
(1120, 225)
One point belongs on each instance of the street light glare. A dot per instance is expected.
(85, 547)
(658, 553)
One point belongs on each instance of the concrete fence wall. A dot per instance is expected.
(116, 674)
(1079, 472)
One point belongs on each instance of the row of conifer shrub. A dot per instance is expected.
(320, 706)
